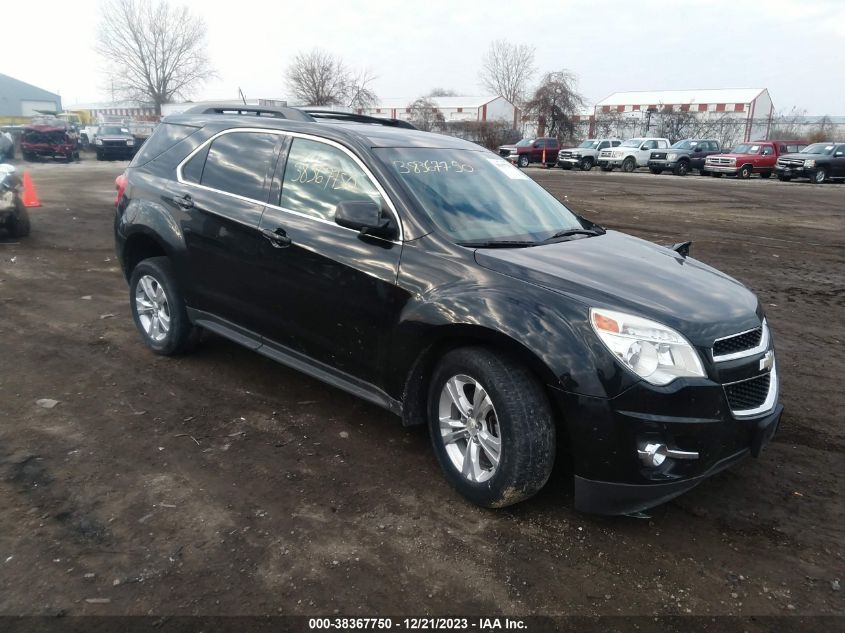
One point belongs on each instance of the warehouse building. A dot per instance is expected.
(20, 100)
(730, 115)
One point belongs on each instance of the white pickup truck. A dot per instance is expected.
(633, 153)
(585, 155)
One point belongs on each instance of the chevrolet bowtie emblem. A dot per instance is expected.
(768, 361)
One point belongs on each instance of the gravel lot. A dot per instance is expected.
(222, 483)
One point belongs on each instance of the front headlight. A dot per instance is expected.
(654, 352)
(617, 154)
(809, 163)
(98, 141)
(671, 156)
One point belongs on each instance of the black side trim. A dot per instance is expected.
(295, 360)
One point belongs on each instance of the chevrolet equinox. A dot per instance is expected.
(433, 278)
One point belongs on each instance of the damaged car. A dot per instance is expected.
(49, 141)
(14, 216)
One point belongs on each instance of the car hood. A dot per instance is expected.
(731, 155)
(507, 147)
(626, 273)
(804, 156)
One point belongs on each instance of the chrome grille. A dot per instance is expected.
(658, 155)
(738, 343)
(748, 394)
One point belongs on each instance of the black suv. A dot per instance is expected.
(114, 141)
(684, 156)
(433, 278)
(818, 162)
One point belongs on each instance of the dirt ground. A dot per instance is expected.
(222, 483)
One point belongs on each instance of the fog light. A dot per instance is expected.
(653, 455)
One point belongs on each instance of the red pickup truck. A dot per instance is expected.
(756, 157)
(532, 150)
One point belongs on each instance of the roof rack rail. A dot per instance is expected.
(357, 118)
(265, 111)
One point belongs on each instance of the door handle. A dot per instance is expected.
(277, 237)
(186, 202)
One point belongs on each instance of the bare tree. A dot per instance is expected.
(319, 78)
(506, 70)
(425, 115)
(442, 92)
(555, 103)
(158, 49)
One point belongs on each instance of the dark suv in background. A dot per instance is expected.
(684, 156)
(114, 141)
(433, 278)
(817, 162)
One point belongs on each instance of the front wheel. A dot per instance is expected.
(158, 308)
(744, 172)
(586, 164)
(820, 176)
(523, 161)
(491, 427)
(682, 168)
(629, 165)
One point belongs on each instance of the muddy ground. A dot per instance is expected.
(222, 483)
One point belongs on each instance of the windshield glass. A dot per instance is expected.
(686, 144)
(524, 142)
(476, 196)
(632, 142)
(819, 148)
(746, 149)
(113, 130)
(589, 144)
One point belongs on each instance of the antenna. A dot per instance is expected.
(243, 97)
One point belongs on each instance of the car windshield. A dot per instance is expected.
(113, 130)
(524, 142)
(685, 144)
(589, 144)
(746, 149)
(632, 142)
(819, 148)
(476, 196)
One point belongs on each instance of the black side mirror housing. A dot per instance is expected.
(364, 216)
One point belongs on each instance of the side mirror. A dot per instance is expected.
(364, 216)
(839, 154)
(536, 145)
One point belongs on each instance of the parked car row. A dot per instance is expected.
(787, 159)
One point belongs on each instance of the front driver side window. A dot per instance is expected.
(318, 176)
(768, 151)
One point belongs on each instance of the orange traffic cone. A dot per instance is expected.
(30, 197)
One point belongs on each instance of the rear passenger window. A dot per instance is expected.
(165, 136)
(192, 170)
(319, 176)
(616, 143)
(239, 163)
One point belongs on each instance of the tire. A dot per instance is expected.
(744, 172)
(518, 416)
(783, 178)
(820, 176)
(682, 168)
(629, 165)
(655, 170)
(523, 161)
(174, 335)
(100, 156)
(765, 174)
(703, 172)
(20, 226)
(586, 164)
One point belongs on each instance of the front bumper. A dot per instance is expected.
(795, 172)
(569, 160)
(661, 164)
(115, 150)
(690, 416)
(721, 169)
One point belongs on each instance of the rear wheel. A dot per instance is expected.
(158, 308)
(20, 226)
(820, 176)
(629, 165)
(744, 172)
(586, 164)
(682, 168)
(491, 427)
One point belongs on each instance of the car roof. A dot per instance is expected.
(371, 135)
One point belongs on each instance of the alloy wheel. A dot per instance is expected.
(152, 308)
(469, 428)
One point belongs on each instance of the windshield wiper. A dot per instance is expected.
(498, 244)
(571, 232)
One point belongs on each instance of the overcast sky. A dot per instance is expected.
(795, 49)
